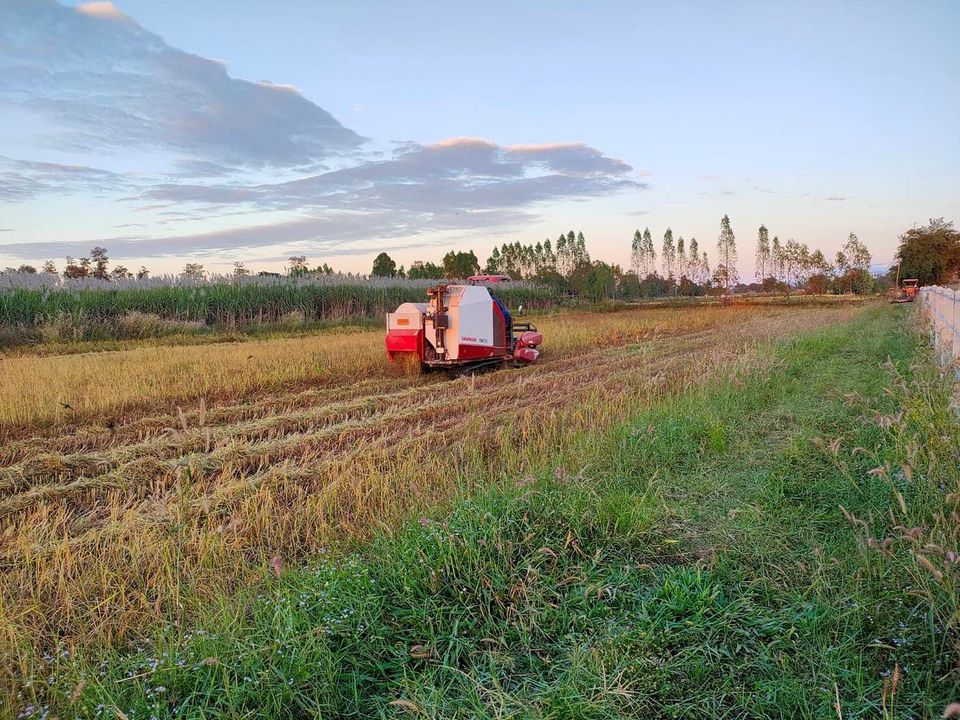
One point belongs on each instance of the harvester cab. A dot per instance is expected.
(459, 327)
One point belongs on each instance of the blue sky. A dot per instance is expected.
(223, 130)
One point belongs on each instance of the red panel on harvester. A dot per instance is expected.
(404, 340)
(479, 352)
(527, 355)
(530, 338)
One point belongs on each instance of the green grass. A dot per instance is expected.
(694, 563)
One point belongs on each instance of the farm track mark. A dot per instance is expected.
(250, 445)
(139, 427)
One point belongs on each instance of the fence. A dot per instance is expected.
(941, 305)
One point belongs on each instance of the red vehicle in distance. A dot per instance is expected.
(489, 278)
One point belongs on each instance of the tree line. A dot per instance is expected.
(930, 253)
(678, 268)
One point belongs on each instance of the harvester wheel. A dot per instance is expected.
(408, 363)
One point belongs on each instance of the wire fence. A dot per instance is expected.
(942, 306)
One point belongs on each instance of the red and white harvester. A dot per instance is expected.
(461, 327)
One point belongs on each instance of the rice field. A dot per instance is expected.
(177, 473)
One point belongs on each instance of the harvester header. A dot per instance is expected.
(460, 326)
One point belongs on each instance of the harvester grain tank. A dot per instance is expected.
(459, 327)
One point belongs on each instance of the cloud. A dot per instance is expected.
(106, 10)
(108, 82)
(328, 234)
(22, 180)
(464, 184)
(458, 174)
(837, 198)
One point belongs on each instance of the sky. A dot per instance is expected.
(225, 130)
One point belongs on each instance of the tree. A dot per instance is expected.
(649, 254)
(819, 280)
(27, 269)
(726, 256)
(629, 286)
(776, 260)
(857, 254)
(297, 266)
(240, 269)
(143, 273)
(75, 270)
(653, 286)
(493, 262)
(841, 265)
(460, 264)
(420, 270)
(681, 258)
(636, 253)
(762, 258)
(580, 254)
(98, 257)
(795, 259)
(384, 266)
(693, 264)
(49, 268)
(931, 253)
(121, 273)
(564, 256)
(600, 282)
(193, 270)
(856, 277)
(669, 255)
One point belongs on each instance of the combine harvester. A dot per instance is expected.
(462, 328)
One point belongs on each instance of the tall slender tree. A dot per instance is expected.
(776, 259)
(636, 253)
(649, 254)
(762, 259)
(727, 256)
(693, 264)
(668, 255)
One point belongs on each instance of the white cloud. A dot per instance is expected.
(105, 10)
(108, 82)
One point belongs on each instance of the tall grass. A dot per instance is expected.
(223, 301)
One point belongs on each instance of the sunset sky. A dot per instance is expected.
(221, 130)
